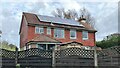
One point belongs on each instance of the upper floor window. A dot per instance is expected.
(49, 31)
(39, 30)
(59, 33)
(85, 35)
(72, 34)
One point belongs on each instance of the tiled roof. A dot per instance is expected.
(87, 26)
(35, 19)
(44, 38)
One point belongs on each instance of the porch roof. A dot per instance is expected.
(44, 39)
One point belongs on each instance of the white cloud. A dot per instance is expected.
(71, 4)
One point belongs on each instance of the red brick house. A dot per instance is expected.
(39, 31)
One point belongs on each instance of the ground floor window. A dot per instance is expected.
(51, 46)
(46, 46)
(42, 46)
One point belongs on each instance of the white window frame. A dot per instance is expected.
(60, 31)
(39, 30)
(73, 30)
(83, 32)
(29, 46)
(36, 30)
(48, 30)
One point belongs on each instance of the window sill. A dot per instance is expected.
(85, 39)
(59, 38)
(73, 38)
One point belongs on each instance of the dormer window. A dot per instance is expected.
(39, 30)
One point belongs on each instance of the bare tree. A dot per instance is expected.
(69, 14)
(59, 12)
(73, 14)
(87, 15)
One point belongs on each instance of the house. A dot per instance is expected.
(45, 32)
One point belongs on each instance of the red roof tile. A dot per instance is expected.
(33, 19)
(44, 38)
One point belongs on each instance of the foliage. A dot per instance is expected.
(7, 46)
(73, 14)
(112, 41)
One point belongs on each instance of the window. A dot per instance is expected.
(72, 34)
(59, 33)
(39, 30)
(36, 29)
(51, 46)
(49, 31)
(42, 46)
(46, 46)
(85, 35)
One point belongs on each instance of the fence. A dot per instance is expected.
(109, 57)
(74, 56)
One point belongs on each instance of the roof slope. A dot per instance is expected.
(87, 26)
(41, 19)
(58, 20)
(44, 38)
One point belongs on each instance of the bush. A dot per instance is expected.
(113, 41)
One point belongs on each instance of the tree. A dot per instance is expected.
(112, 41)
(73, 14)
(7, 46)
(59, 12)
(86, 14)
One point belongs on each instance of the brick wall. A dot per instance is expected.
(89, 42)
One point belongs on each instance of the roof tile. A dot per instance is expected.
(44, 38)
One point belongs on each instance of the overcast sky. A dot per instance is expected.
(104, 12)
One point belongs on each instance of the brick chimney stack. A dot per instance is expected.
(82, 19)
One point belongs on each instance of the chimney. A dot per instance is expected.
(82, 19)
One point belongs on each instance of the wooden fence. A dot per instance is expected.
(73, 57)
(70, 57)
(109, 57)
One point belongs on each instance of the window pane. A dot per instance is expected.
(73, 34)
(42, 46)
(49, 31)
(85, 35)
(59, 33)
(39, 30)
(36, 30)
(62, 33)
(55, 33)
(51, 46)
